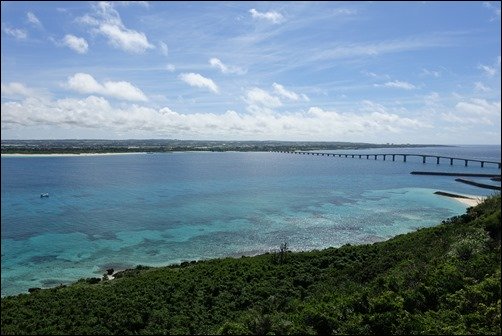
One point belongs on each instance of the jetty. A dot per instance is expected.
(480, 185)
(493, 176)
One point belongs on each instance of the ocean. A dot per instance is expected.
(158, 209)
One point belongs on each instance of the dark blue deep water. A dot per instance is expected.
(157, 209)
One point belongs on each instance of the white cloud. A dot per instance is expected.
(432, 99)
(350, 50)
(85, 83)
(432, 73)
(15, 90)
(344, 11)
(478, 86)
(281, 91)
(257, 96)
(19, 34)
(398, 85)
(216, 63)
(198, 80)
(474, 112)
(271, 16)
(488, 70)
(479, 107)
(106, 21)
(314, 124)
(261, 101)
(170, 67)
(163, 48)
(32, 18)
(495, 10)
(125, 39)
(140, 3)
(78, 44)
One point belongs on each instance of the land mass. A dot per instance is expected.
(167, 145)
(439, 280)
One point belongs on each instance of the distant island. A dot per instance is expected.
(73, 146)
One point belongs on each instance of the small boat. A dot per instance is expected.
(44, 195)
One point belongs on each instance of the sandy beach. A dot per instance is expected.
(469, 200)
(473, 201)
(58, 155)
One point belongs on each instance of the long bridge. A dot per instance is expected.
(404, 157)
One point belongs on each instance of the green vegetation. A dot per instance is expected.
(166, 145)
(440, 280)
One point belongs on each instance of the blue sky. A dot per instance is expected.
(397, 72)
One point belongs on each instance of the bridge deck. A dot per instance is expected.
(393, 155)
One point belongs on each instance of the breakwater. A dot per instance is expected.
(454, 174)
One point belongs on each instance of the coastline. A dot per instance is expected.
(69, 154)
(468, 200)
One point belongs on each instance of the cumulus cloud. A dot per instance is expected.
(216, 63)
(126, 39)
(257, 96)
(262, 101)
(271, 16)
(474, 111)
(480, 107)
(85, 83)
(197, 80)
(15, 90)
(32, 18)
(75, 43)
(19, 34)
(398, 85)
(97, 112)
(170, 67)
(281, 91)
(106, 21)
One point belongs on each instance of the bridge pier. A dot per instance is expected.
(384, 156)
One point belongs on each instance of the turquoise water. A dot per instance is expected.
(158, 209)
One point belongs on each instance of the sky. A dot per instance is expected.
(379, 72)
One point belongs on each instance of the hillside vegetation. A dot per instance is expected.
(439, 280)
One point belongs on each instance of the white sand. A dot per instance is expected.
(473, 201)
(58, 155)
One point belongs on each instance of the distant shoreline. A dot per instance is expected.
(69, 154)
